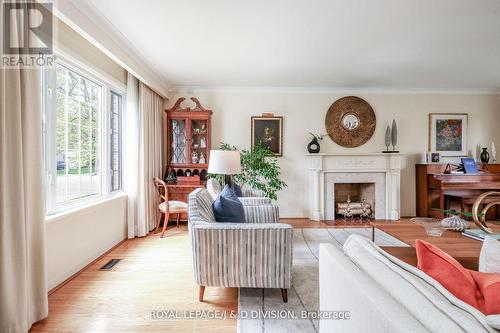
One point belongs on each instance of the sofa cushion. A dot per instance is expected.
(481, 290)
(489, 288)
(200, 206)
(416, 292)
(447, 271)
(237, 190)
(489, 260)
(227, 207)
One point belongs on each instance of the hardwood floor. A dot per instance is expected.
(155, 275)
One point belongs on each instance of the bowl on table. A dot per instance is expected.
(432, 226)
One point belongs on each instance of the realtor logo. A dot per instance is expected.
(27, 34)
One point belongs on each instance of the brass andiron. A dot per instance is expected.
(480, 219)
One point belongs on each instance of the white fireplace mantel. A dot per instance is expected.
(324, 168)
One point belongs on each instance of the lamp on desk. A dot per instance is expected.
(225, 162)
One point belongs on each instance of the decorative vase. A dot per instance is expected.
(455, 222)
(485, 156)
(493, 152)
(313, 146)
(394, 135)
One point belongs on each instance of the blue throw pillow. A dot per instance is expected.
(237, 190)
(227, 207)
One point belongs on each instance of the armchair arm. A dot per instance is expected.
(242, 254)
(250, 192)
(261, 213)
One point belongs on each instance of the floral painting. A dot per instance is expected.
(448, 134)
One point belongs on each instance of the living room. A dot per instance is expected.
(356, 140)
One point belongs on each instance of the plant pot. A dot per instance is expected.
(313, 147)
(485, 156)
(455, 222)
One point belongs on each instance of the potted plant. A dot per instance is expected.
(259, 169)
(313, 147)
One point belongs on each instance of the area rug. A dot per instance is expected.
(263, 310)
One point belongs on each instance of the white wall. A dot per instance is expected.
(77, 238)
(305, 112)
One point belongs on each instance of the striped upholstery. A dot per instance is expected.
(250, 196)
(200, 206)
(255, 254)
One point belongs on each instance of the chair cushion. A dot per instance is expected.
(227, 207)
(237, 190)
(174, 206)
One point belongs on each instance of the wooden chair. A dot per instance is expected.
(165, 206)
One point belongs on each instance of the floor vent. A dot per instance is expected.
(110, 264)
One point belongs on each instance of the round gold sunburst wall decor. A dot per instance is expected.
(350, 121)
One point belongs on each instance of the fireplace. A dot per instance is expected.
(375, 176)
(354, 199)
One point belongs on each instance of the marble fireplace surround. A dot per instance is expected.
(384, 170)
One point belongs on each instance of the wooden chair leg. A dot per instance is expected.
(165, 223)
(158, 220)
(178, 219)
(202, 292)
(284, 294)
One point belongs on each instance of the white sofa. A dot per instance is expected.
(384, 294)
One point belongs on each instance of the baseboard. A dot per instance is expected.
(60, 285)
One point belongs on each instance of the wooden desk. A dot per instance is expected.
(180, 192)
(432, 185)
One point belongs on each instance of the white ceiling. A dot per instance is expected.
(379, 44)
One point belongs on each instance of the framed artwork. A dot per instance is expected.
(448, 133)
(269, 132)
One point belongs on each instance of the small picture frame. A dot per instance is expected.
(448, 133)
(433, 157)
(268, 130)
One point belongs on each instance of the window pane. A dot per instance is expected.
(78, 110)
(115, 141)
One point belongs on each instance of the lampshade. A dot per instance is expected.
(224, 162)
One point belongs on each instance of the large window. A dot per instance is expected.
(83, 137)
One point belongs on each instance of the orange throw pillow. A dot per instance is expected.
(481, 290)
(447, 271)
(489, 286)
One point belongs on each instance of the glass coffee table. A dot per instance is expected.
(354, 223)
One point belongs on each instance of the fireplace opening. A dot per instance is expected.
(354, 200)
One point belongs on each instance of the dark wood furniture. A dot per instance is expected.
(188, 141)
(409, 256)
(433, 185)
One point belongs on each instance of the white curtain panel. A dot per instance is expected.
(131, 145)
(23, 284)
(146, 137)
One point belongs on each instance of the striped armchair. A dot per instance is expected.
(250, 196)
(255, 254)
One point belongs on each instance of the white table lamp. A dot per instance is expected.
(225, 162)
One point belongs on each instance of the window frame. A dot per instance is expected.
(104, 132)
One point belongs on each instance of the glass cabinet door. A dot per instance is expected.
(178, 146)
(199, 141)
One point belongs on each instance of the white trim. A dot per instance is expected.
(92, 71)
(103, 130)
(334, 90)
(82, 209)
(85, 19)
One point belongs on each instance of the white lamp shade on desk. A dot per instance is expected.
(224, 162)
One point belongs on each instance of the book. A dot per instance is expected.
(479, 234)
(469, 165)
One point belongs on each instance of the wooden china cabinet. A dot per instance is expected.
(188, 136)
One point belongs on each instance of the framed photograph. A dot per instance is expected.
(269, 132)
(433, 157)
(448, 133)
